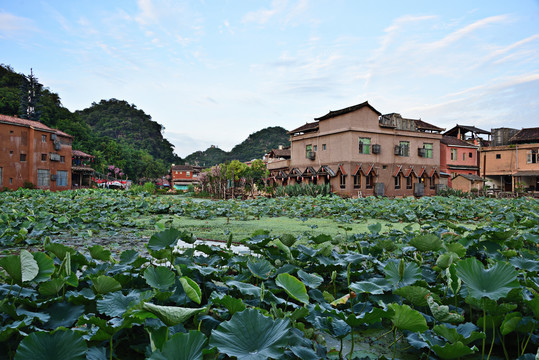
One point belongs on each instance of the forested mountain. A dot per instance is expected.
(254, 147)
(115, 132)
(124, 122)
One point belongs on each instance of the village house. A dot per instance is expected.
(33, 153)
(81, 170)
(512, 163)
(458, 157)
(361, 152)
(181, 176)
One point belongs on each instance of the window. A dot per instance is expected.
(188, 173)
(11, 131)
(398, 181)
(11, 152)
(43, 138)
(463, 156)
(315, 147)
(62, 159)
(364, 145)
(43, 177)
(11, 180)
(343, 181)
(428, 150)
(324, 147)
(498, 156)
(370, 181)
(23, 157)
(61, 178)
(470, 155)
(308, 150)
(404, 148)
(409, 182)
(357, 180)
(43, 157)
(532, 157)
(432, 182)
(453, 154)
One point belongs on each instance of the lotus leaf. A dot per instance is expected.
(104, 284)
(367, 287)
(414, 294)
(116, 304)
(493, 283)
(442, 313)
(99, 253)
(261, 268)
(249, 335)
(403, 275)
(46, 267)
(65, 345)
(510, 323)
(192, 289)
(233, 305)
(166, 239)
(464, 333)
(427, 242)
(311, 280)
(182, 346)
(293, 287)
(406, 318)
(21, 268)
(159, 277)
(171, 315)
(453, 351)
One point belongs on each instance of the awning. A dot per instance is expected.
(527, 173)
(408, 171)
(82, 169)
(341, 169)
(309, 171)
(397, 171)
(433, 172)
(366, 170)
(326, 170)
(358, 167)
(295, 172)
(420, 172)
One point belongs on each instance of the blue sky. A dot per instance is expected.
(212, 72)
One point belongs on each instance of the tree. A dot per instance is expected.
(30, 98)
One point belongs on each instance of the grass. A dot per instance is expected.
(218, 228)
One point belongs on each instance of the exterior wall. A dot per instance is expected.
(500, 163)
(463, 159)
(463, 184)
(184, 175)
(32, 143)
(341, 135)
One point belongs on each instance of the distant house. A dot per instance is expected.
(458, 157)
(360, 152)
(278, 163)
(470, 134)
(31, 152)
(514, 163)
(81, 169)
(181, 176)
(467, 183)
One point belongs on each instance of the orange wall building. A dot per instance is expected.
(458, 157)
(31, 152)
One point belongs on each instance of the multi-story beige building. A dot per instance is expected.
(361, 152)
(31, 152)
(514, 165)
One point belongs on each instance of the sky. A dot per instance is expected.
(214, 71)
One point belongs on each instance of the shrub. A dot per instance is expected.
(28, 185)
(149, 187)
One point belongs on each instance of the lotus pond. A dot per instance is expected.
(429, 278)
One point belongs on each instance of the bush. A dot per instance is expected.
(303, 189)
(149, 187)
(28, 185)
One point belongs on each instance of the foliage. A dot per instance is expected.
(303, 190)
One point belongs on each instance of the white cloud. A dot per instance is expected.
(13, 26)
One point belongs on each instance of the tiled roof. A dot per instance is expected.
(347, 110)
(183, 167)
(526, 135)
(31, 123)
(421, 125)
(81, 154)
(281, 152)
(453, 141)
(471, 177)
(305, 128)
(473, 129)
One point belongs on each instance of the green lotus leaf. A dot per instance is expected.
(368, 287)
(408, 276)
(249, 335)
(246, 289)
(99, 253)
(457, 248)
(166, 239)
(493, 283)
(442, 313)
(375, 228)
(128, 257)
(371, 317)
(453, 351)
(311, 280)
(192, 289)
(446, 259)
(116, 304)
(321, 238)
(261, 268)
(414, 294)
(406, 318)
(285, 249)
(21, 268)
(182, 346)
(63, 314)
(293, 287)
(104, 284)
(96, 353)
(51, 287)
(465, 333)
(427, 242)
(46, 267)
(59, 250)
(232, 304)
(160, 277)
(65, 345)
(525, 264)
(171, 315)
(9, 329)
(510, 323)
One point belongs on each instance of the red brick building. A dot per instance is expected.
(181, 176)
(458, 157)
(31, 152)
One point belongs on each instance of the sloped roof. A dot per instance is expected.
(184, 167)
(284, 153)
(454, 131)
(347, 110)
(453, 141)
(305, 128)
(471, 177)
(31, 123)
(421, 125)
(526, 136)
(81, 154)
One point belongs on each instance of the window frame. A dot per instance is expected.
(43, 174)
(22, 157)
(343, 181)
(43, 157)
(357, 180)
(364, 145)
(428, 150)
(369, 181)
(398, 182)
(454, 155)
(61, 175)
(409, 182)
(404, 148)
